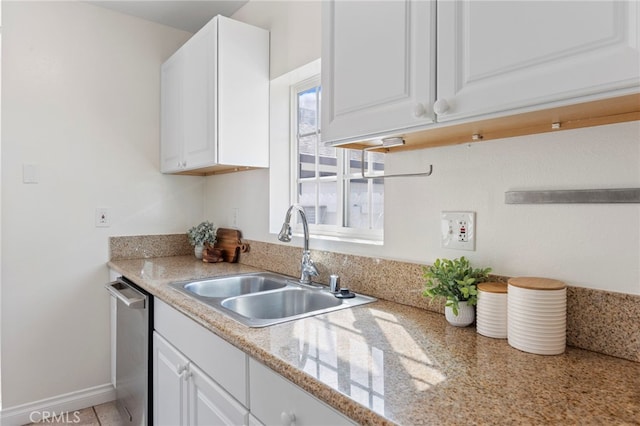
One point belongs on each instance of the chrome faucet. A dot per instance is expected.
(307, 267)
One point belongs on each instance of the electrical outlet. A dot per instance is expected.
(458, 230)
(103, 217)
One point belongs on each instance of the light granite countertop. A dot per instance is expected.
(386, 363)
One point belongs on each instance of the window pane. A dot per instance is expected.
(377, 160)
(365, 211)
(377, 204)
(328, 161)
(307, 111)
(355, 161)
(307, 156)
(307, 199)
(327, 203)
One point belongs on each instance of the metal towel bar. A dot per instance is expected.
(388, 143)
(579, 196)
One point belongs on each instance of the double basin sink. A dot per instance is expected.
(264, 298)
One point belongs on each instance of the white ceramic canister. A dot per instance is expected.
(537, 315)
(491, 310)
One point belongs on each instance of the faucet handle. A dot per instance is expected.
(310, 268)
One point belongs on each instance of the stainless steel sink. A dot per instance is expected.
(234, 285)
(262, 299)
(281, 304)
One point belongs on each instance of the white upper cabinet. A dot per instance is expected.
(497, 56)
(495, 59)
(378, 67)
(215, 100)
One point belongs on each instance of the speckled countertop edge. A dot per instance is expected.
(155, 274)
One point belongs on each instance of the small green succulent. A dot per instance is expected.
(454, 280)
(201, 234)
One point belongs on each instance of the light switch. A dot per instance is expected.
(30, 173)
(103, 217)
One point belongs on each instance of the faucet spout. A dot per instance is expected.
(285, 232)
(307, 267)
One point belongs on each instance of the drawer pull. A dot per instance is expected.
(288, 419)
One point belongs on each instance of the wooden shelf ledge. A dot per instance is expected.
(587, 114)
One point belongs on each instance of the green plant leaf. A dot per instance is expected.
(455, 280)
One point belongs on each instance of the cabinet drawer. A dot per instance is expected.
(272, 396)
(223, 362)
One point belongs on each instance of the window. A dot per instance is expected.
(327, 182)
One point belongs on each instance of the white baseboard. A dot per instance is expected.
(28, 413)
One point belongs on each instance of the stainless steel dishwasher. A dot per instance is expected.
(134, 319)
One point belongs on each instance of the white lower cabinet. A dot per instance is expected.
(183, 394)
(198, 378)
(169, 384)
(277, 401)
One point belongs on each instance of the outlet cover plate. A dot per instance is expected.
(458, 230)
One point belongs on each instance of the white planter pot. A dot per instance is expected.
(466, 315)
(197, 250)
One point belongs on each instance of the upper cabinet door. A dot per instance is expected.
(495, 56)
(171, 118)
(199, 97)
(378, 67)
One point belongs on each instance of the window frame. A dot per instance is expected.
(343, 179)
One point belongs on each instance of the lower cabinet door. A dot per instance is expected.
(210, 404)
(169, 384)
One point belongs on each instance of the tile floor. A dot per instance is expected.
(99, 415)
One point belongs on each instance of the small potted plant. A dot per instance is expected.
(456, 281)
(202, 234)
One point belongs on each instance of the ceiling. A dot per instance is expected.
(187, 15)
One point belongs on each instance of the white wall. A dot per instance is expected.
(294, 27)
(595, 246)
(80, 98)
(587, 245)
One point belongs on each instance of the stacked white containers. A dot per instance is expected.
(491, 315)
(537, 315)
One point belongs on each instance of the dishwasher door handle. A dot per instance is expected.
(131, 297)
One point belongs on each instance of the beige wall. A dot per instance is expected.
(80, 98)
(595, 246)
(294, 27)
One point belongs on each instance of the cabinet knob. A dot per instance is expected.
(288, 419)
(419, 110)
(180, 369)
(441, 106)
